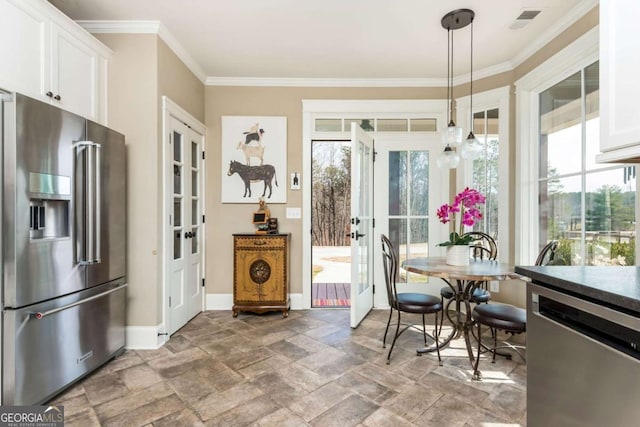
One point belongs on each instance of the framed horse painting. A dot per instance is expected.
(254, 159)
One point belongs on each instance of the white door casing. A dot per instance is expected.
(314, 108)
(183, 234)
(362, 153)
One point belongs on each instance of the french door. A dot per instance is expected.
(409, 188)
(185, 290)
(361, 224)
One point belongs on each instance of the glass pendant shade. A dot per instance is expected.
(471, 148)
(448, 159)
(452, 135)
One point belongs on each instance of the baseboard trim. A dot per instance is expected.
(144, 337)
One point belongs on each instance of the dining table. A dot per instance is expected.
(463, 280)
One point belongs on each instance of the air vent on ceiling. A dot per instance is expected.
(524, 18)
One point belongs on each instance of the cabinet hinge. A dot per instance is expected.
(373, 288)
(203, 219)
(203, 155)
(203, 282)
(374, 155)
(373, 221)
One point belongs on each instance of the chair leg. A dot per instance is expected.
(395, 337)
(384, 339)
(495, 344)
(424, 330)
(437, 334)
(476, 374)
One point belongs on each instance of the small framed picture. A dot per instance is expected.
(295, 181)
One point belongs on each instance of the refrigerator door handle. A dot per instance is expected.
(97, 204)
(89, 246)
(41, 314)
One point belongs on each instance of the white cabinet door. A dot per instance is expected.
(74, 74)
(619, 71)
(24, 65)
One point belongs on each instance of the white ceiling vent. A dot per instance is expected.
(524, 18)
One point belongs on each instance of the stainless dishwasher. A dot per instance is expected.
(583, 363)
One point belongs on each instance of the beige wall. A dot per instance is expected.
(141, 71)
(177, 82)
(235, 218)
(285, 101)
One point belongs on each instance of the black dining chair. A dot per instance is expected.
(504, 317)
(406, 302)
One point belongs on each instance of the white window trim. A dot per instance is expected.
(495, 98)
(579, 54)
(312, 109)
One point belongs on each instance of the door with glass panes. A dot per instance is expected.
(185, 299)
(409, 188)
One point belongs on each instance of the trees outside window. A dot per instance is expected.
(588, 207)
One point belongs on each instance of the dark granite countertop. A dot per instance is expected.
(615, 287)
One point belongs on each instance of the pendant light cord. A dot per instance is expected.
(448, 76)
(471, 83)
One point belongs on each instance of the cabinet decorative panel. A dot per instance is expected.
(261, 273)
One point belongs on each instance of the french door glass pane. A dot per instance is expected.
(194, 241)
(177, 179)
(397, 183)
(194, 212)
(194, 153)
(177, 146)
(408, 185)
(177, 212)
(177, 244)
(419, 182)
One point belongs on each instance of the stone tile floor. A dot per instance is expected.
(310, 369)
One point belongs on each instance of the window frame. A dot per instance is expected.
(484, 101)
(576, 56)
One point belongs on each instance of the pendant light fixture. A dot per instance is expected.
(452, 138)
(471, 147)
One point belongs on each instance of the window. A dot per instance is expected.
(589, 208)
(485, 168)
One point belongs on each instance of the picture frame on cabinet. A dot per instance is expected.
(254, 156)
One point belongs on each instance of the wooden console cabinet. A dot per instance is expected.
(261, 273)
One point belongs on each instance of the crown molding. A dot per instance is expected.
(323, 82)
(156, 27)
(146, 27)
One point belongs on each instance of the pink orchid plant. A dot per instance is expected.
(466, 204)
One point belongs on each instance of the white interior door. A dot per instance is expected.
(185, 297)
(361, 224)
(409, 189)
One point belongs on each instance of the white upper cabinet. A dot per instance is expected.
(23, 49)
(47, 56)
(619, 81)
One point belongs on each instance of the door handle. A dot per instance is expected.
(357, 235)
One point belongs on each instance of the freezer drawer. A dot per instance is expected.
(48, 346)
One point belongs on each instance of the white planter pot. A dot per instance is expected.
(457, 255)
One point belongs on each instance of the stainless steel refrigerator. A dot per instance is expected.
(63, 248)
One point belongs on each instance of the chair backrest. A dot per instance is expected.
(482, 246)
(390, 263)
(548, 253)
